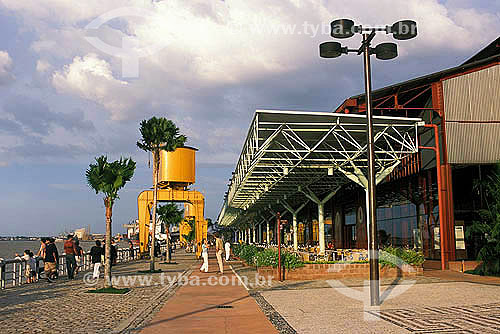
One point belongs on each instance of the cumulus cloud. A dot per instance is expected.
(224, 59)
(91, 78)
(5, 67)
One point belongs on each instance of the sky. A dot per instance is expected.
(206, 65)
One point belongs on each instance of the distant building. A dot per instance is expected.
(132, 229)
(82, 234)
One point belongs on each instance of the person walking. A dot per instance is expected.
(71, 252)
(50, 260)
(131, 250)
(79, 256)
(219, 248)
(227, 247)
(95, 255)
(114, 253)
(204, 254)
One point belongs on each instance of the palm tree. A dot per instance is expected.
(158, 134)
(170, 215)
(108, 178)
(489, 225)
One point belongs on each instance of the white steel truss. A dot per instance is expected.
(287, 151)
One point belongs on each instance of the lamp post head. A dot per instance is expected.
(343, 28)
(330, 50)
(386, 51)
(405, 29)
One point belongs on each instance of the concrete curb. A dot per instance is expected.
(124, 325)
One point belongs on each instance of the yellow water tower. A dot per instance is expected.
(177, 172)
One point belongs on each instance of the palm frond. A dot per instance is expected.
(170, 214)
(109, 177)
(160, 134)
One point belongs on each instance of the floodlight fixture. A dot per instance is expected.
(405, 29)
(331, 50)
(343, 28)
(386, 51)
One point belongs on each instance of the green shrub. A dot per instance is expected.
(395, 257)
(237, 249)
(488, 227)
(291, 261)
(246, 252)
(269, 258)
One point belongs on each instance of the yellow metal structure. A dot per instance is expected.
(177, 169)
(177, 172)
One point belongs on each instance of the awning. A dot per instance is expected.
(289, 152)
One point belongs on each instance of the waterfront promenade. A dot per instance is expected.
(208, 308)
(65, 307)
(438, 302)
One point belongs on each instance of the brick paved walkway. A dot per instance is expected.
(194, 308)
(449, 275)
(64, 307)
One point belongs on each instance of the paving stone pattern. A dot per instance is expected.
(473, 319)
(64, 307)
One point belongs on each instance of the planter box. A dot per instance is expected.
(452, 265)
(467, 265)
(339, 271)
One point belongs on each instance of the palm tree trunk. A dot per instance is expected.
(107, 255)
(156, 163)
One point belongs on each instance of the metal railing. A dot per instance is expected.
(12, 270)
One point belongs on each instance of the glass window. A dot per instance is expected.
(380, 213)
(388, 213)
(405, 210)
(413, 209)
(350, 217)
(396, 211)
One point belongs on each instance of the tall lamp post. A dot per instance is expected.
(345, 28)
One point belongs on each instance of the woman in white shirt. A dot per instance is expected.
(204, 254)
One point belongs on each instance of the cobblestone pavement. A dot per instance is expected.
(437, 303)
(64, 307)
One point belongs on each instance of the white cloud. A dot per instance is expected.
(91, 78)
(43, 66)
(5, 67)
(221, 56)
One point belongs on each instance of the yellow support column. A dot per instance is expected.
(170, 195)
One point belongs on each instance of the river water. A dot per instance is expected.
(8, 249)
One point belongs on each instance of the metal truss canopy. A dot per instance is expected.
(287, 152)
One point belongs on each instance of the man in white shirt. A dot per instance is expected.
(227, 247)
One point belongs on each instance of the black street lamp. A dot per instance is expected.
(345, 28)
